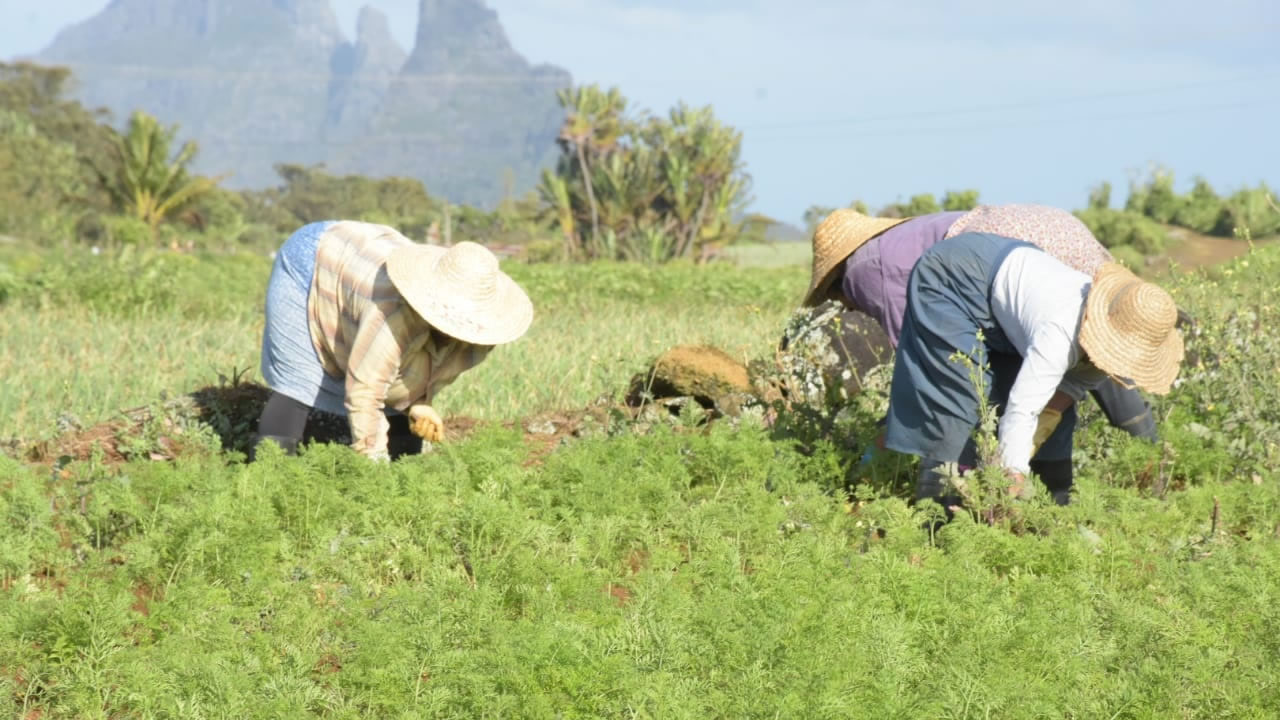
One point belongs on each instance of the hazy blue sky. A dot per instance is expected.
(1027, 101)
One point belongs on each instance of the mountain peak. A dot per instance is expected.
(376, 47)
(182, 33)
(262, 82)
(460, 36)
(372, 25)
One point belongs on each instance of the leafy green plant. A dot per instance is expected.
(1125, 228)
(647, 188)
(148, 180)
(960, 200)
(1100, 197)
(1201, 210)
(1254, 209)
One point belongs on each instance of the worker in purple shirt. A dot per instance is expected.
(865, 263)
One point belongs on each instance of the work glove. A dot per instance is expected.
(426, 423)
(1045, 425)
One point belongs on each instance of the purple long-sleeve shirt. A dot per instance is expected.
(876, 275)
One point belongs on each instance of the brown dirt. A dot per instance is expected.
(327, 665)
(232, 409)
(620, 594)
(636, 561)
(143, 595)
(1191, 249)
(80, 445)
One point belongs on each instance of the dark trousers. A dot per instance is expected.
(284, 420)
(1126, 409)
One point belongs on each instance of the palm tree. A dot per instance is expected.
(146, 181)
(591, 128)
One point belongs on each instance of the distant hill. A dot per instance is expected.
(260, 82)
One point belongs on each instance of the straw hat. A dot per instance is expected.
(837, 236)
(1129, 329)
(461, 292)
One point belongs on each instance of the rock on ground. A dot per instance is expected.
(707, 374)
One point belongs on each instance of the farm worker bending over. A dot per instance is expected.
(361, 320)
(1050, 334)
(865, 263)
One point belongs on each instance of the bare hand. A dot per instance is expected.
(1018, 489)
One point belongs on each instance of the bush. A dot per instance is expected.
(1129, 256)
(1156, 199)
(39, 179)
(1251, 208)
(1201, 210)
(960, 200)
(1100, 197)
(1115, 228)
(126, 230)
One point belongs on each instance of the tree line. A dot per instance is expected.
(627, 185)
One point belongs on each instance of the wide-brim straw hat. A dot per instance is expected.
(836, 238)
(1129, 329)
(461, 292)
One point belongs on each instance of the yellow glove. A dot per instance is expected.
(1045, 425)
(426, 423)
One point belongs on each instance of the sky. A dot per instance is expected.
(876, 100)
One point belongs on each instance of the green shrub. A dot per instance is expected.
(1100, 197)
(960, 200)
(1202, 209)
(127, 230)
(1115, 228)
(1251, 208)
(1129, 256)
(40, 180)
(218, 211)
(1156, 199)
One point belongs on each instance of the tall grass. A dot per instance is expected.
(85, 366)
(86, 336)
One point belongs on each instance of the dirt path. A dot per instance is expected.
(1191, 249)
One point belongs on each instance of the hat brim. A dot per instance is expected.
(825, 265)
(501, 318)
(1151, 367)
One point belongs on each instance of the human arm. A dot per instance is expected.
(1040, 380)
(374, 362)
(442, 367)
